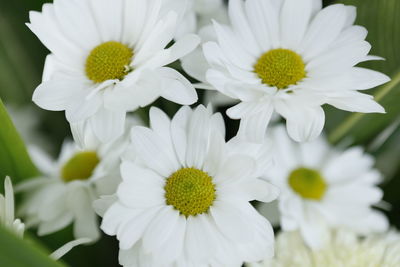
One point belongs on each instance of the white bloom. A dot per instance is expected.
(184, 200)
(291, 57)
(323, 188)
(108, 57)
(67, 188)
(7, 217)
(345, 250)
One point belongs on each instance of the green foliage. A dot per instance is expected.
(16, 252)
(381, 18)
(14, 159)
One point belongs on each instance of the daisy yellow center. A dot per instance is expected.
(280, 68)
(108, 61)
(80, 166)
(190, 191)
(308, 183)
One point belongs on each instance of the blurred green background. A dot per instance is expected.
(21, 64)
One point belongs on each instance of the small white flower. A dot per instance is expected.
(109, 57)
(7, 217)
(346, 249)
(184, 200)
(67, 188)
(323, 188)
(291, 57)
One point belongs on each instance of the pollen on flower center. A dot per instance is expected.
(308, 183)
(80, 166)
(190, 191)
(108, 61)
(280, 68)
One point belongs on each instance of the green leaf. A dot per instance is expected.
(382, 20)
(14, 159)
(16, 252)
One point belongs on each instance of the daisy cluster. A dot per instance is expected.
(175, 192)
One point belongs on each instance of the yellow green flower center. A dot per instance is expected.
(190, 191)
(308, 183)
(108, 61)
(80, 166)
(280, 68)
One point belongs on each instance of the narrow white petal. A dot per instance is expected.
(108, 125)
(295, 16)
(155, 154)
(198, 137)
(355, 102)
(176, 88)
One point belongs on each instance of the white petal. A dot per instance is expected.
(355, 102)
(133, 229)
(182, 47)
(108, 18)
(151, 148)
(160, 229)
(323, 30)
(304, 123)
(179, 126)
(295, 16)
(176, 88)
(198, 137)
(232, 48)
(260, 190)
(55, 94)
(200, 244)
(253, 127)
(242, 27)
(172, 248)
(41, 159)
(216, 151)
(82, 107)
(231, 222)
(9, 202)
(108, 125)
(80, 201)
(235, 168)
(102, 204)
(55, 225)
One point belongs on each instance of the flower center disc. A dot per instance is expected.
(108, 61)
(80, 166)
(280, 68)
(308, 183)
(190, 191)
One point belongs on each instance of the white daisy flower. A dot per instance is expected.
(109, 57)
(291, 57)
(67, 188)
(7, 217)
(184, 200)
(322, 188)
(345, 249)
